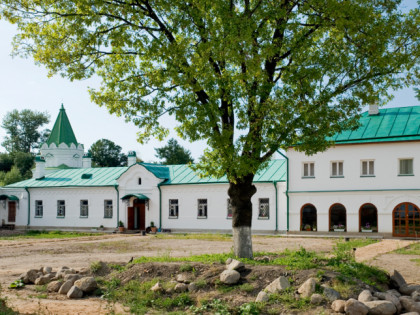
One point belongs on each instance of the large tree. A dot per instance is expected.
(174, 153)
(248, 76)
(22, 129)
(105, 153)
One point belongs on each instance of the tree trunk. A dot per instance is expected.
(240, 197)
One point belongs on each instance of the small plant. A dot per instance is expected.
(120, 224)
(246, 287)
(95, 266)
(250, 308)
(18, 284)
(41, 288)
(152, 224)
(185, 267)
(200, 283)
(339, 226)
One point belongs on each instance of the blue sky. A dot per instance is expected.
(25, 85)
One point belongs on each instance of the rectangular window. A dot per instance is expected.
(368, 168)
(108, 209)
(61, 208)
(202, 209)
(406, 167)
(84, 208)
(229, 209)
(309, 169)
(173, 208)
(337, 169)
(264, 210)
(39, 208)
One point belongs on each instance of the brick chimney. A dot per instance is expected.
(373, 109)
(87, 160)
(39, 167)
(131, 158)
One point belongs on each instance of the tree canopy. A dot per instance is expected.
(105, 153)
(248, 76)
(22, 129)
(174, 153)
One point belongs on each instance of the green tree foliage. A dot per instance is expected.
(10, 177)
(22, 129)
(106, 153)
(6, 162)
(248, 76)
(24, 162)
(174, 153)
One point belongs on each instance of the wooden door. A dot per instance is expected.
(12, 211)
(130, 218)
(406, 220)
(142, 216)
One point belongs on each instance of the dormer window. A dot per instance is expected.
(139, 180)
(86, 176)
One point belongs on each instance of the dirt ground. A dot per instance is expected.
(17, 256)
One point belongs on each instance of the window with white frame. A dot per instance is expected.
(229, 209)
(368, 168)
(108, 209)
(202, 208)
(264, 208)
(337, 169)
(406, 167)
(84, 208)
(61, 208)
(308, 169)
(39, 208)
(173, 208)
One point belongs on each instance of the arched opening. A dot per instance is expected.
(308, 218)
(338, 218)
(368, 218)
(406, 220)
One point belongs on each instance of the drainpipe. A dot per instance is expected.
(29, 206)
(277, 212)
(160, 205)
(118, 203)
(287, 187)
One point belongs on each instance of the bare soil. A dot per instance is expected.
(17, 256)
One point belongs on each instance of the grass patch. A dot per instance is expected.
(48, 234)
(246, 287)
(416, 260)
(287, 299)
(41, 288)
(185, 268)
(95, 266)
(4, 309)
(198, 236)
(215, 306)
(413, 249)
(342, 245)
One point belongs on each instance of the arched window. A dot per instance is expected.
(338, 218)
(308, 218)
(368, 218)
(406, 220)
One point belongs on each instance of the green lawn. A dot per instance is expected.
(413, 249)
(48, 234)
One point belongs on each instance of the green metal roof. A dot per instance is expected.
(10, 197)
(62, 131)
(101, 176)
(391, 124)
(173, 174)
(138, 196)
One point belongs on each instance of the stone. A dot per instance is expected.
(394, 292)
(228, 261)
(30, 276)
(262, 259)
(409, 304)
(389, 297)
(54, 286)
(355, 307)
(192, 287)
(75, 293)
(307, 288)
(381, 308)
(230, 276)
(408, 289)
(330, 293)
(278, 285)
(84, 271)
(365, 296)
(415, 296)
(42, 280)
(183, 278)
(157, 287)
(72, 277)
(338, 306)
(86, 284)
(316, 298)
(65, 287)
(397, 280)
(411, 313)
(262, 297)
(46, 270)
(181, 287)
(235, 265)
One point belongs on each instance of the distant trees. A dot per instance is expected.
(105, 153)
(174, 153)
(22, 129)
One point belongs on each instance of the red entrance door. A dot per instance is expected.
(12, 211)
(136, 215)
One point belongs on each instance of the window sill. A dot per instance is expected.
(337, 176)
(38, 217)
(263, 218)
(308, 177)
(107, 217)
(405, 174)
(83, 217)
(201, 217)
(61, 217)
(367, 175)
(173, 217)
(229, 218)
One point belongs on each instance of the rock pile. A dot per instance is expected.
(75, 284)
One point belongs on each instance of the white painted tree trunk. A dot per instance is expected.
(242, 241)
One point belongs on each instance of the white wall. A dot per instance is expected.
(55, 156)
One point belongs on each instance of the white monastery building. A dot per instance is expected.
(368, 182)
